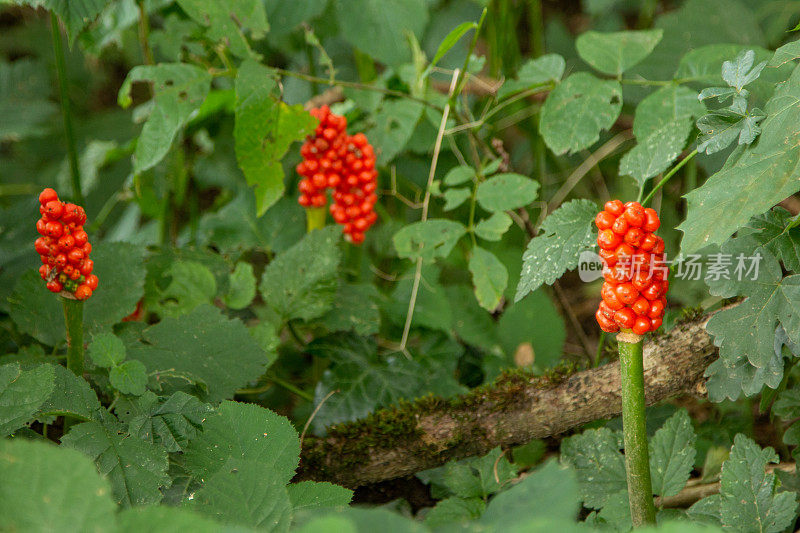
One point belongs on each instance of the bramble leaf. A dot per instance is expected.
(22, 393)
(129, 377)
(614, 53)
(565, 234)
(672, 454)
(595, 456)
(107, 350)
(312, 495)
(577, 110)
(171, 422)
(227, 21)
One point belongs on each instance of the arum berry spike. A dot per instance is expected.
(634, 298)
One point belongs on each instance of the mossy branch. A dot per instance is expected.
(518, 407)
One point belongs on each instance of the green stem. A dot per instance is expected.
(667, 177)
(315, 218)
(462, 74)
(536, 22)
(600, 343)
(73, 318)
(144, 34)
(637, 461)
(312, 69)
(72, 152)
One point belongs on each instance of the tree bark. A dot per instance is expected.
(402, 440)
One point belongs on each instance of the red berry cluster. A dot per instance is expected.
(64, 247)
(635, 286)
(346, 164)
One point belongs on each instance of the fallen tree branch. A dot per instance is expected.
(414, 436)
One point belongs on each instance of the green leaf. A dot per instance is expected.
(242, 287)
(459, 175)
(192, 284)
(129, 378)
(312, 495)
(301, 282)
(662, 124)
(428, 239)
(494, 227)
(749, 499)
(577, 110)
(107, 350)
(595, 456)
(32, 308)
(265, 129)
(565, 234)
(51, 488)
(135, 469)
(24, 106)
(535, 72)
(355, 308)
(762, 175)
(489, 276)
(534, 321)
(75, 14)
(171, 422)
(771, 231)
(228, 21)
(179, 89)
(478, 477)
(551, 491)
(396, 120)
(433, 309)
(672, 454)
(22, 393)
(243, 492)
(454, 510)
(379, 27)
(614, 53)
(451, 39)
(455, 197)
(740, 71)
(71, 396)
(164, 519)
(249, 432)
(784, 54)
(204, 345)
(505, 192)
(720, 128)
(120, 267)
(787, 406)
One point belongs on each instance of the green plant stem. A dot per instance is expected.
(637, 461)
(600, 343)
(144, 34)
(462, 74)
(315, 218)
(667, 177)
(69, 133)
(536, 23)
(73, 318)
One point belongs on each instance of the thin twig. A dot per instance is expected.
(573, 318)
(425, 202)
(314, 413)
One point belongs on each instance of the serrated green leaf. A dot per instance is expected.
(662, 124)
(451, 39)
(720, 128)
(135, 469)
(312, 495)
(428, 239)
(265, 128)
(76, 499)
(577, 110)
(395, 121)
(614, 53)
(75, 14)
(494, 227)
(764, 174)
(71, 396)
(243, 492)
(595, 456)
(707, 510)
(784, 54)
(504, 192)
(242, 287)
(728, 378)
(565, 234)
(672, 454)
(489, 276)
(192, 284)
(454, 510)
(454, 197)
(203, 345)
(228, 21)
(129, 377)
(179, 89)
(475, 477)
(302, 281)
(22, 393)
(107, 350)
(379, 27)
(355, 308)
(249, 432)
(459, 175)
(171, 422)
(749, 500)
(538, 71)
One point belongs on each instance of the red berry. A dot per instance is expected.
(44, 270)
(608, 240)
(75, 256)
(41, 226)
(634, 214)
(608, 257)
(606, 324)
(610, 297)
(87, 249)
(86, 267)
(620, 226)
(626, 293)
(655, 323)
(92, 281)
(651, 223)
(641, 306)
(641, 326)
(615, 207)
(625, 317)
(653, 292)
(66, 243)
(53, 229)
(61, 261)
(83, 292)
(54, 286)
(656, 309)
(648, 241)
(80, 237)
(634, 236)
(42, 245)
(47, 195)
